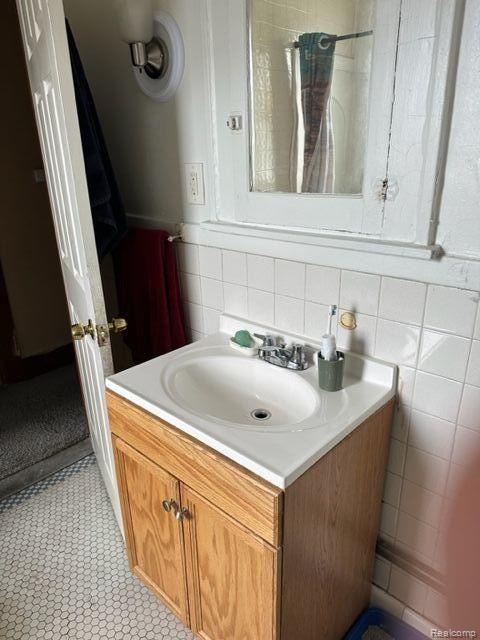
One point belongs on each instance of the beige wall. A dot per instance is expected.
(147, 141)
(28, 251)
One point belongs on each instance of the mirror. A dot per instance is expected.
(310, 66)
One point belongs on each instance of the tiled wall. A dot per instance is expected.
(431, 332)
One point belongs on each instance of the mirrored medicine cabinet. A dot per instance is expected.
(329, 114)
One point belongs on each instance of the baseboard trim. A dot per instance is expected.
(411, 565)
(383, 600)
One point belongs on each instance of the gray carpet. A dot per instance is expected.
(39, 418)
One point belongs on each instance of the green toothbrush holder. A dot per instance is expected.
(330, 372)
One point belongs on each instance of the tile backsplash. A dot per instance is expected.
(431, 332)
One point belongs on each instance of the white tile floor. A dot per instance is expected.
(63, 568)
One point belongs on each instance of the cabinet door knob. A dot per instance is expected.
(182, 514)
(168, 505)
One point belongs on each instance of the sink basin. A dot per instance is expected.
(272, 421)
(246, 392)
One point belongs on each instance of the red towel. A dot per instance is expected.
(149, 294)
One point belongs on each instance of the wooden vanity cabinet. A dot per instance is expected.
(155, 541)
(235, 557)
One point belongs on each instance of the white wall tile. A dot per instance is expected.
(426, 470)
(188, 258)
(421, 503)
(473, 372)
(388, 520)
(323, 285)
(431, 434)
(289, 314)
(467, 446)
(417, 621)
(396, 456)
(437, 396)
(211, 318)
(236, 301)
(212, 293)
(194, 313)
(418, 471)
(196, 336)
(191, 290)
(392, 489)
(397, 342)
(476, 332)
(440, 558)
(401, 423)
(470, 408)
(406, 384)
(234, 267)
(416, 534)
(444, 354)
(359, 292)
(456, 478)
(361, 339)
(381, 574)
(261, 272)
(383, 600)
(210, 260)
(316, 317)
(436, 608)
(402, 300)
(451, 310)
(261, 306)
(290, 279)
(407, 589)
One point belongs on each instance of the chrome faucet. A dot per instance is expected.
(292, 358)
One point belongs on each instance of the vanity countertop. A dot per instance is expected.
(208, 390)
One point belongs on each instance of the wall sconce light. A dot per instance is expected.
(156, 47)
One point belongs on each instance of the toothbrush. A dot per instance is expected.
(332, 311)
(329, 349)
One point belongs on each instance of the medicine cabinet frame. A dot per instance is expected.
(414, 59)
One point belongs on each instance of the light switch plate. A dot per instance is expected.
(195, 184)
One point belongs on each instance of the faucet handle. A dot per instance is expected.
(268, 340)
(298, 354)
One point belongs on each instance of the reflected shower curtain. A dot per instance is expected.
(316, 70)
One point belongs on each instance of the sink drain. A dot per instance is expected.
(261, 414)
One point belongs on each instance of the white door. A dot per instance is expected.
(44, 36)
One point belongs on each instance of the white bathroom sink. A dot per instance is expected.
(273, 421)
(248, 393)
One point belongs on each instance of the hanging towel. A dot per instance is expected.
(108, 213)
(316, 70)
(149, 294)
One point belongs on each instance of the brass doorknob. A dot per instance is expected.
(79, 331)
(117, 325)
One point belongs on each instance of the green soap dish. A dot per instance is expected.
(244, 339)
(251, 350)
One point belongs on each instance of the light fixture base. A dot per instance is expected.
(157, 59)
(160, 77)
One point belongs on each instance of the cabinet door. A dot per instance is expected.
(154, 536)
(233, 576)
